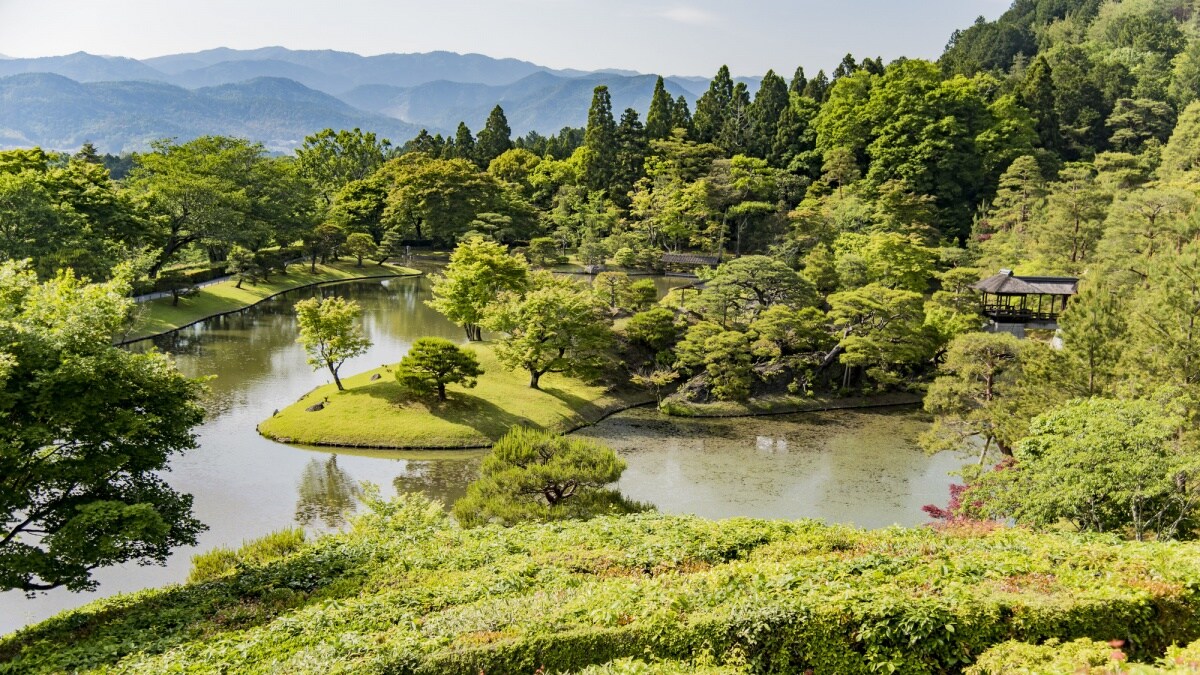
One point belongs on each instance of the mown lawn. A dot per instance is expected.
(382, 414)
(160, 316)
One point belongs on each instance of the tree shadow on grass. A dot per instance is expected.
(480, 414)
(585, 408)
(461, 408)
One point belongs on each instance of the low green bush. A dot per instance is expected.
(221, 560)
(408, 591)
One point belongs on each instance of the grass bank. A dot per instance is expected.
(161, 316)
(381, 414)
(782, 404)
(407, 591)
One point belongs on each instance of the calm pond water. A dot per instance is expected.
(860, 467)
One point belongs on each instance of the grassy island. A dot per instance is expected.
(407, 591)
(377, 412)
(161, 316)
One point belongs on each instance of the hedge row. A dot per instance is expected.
(200, 274)
(409, 592)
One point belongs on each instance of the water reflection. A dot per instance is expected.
(327, 494)
(844, 467)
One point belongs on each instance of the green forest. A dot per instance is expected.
(846, 217)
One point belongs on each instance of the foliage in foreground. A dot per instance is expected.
(86, 429)
(406, 591)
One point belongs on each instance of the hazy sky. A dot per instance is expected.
(688, 37)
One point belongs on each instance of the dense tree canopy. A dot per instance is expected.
(85, 431)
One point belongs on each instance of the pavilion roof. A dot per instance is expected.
(690, 259)
(1007, 283)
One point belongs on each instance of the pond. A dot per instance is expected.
(860, 467)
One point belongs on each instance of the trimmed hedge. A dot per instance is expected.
(409, 592)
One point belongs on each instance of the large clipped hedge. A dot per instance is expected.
(409, 592)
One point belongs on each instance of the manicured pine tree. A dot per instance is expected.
(600, 140)
(713, 107)
(659, 117)
(390, 247)
(495, 139)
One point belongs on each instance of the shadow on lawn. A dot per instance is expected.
(461, 408)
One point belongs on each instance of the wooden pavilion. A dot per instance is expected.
(1014, 303)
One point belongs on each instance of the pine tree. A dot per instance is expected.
(659, 117)
(818, 88)
(1037, 93)
(769, 104)
(87, 153)
(735, 133)
(600, 140)
(712, 108)
(495, 139)
(632, 148)
(464, 143)
(799, 82)
(847, 67)
(681, 116)
(390, 247)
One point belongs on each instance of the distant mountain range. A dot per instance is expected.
(278, 96)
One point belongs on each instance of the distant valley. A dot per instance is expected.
(278, 96)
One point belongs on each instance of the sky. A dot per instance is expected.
(684, 37)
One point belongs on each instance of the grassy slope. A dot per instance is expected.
(160, 316)
(408, 592)
(381, 415)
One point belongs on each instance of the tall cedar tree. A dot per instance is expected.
(1037, 93)
(600, 140)
(799, 82)
(632, 148)
(818, 88)
(659, 118)
(464, 143)
(769, 103)
(681, 116)
(494, 140)
(712, 108)
(735, 134)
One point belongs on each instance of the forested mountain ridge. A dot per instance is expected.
(849, 215)
(434, 90)
(54, 112)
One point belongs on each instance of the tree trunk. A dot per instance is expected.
(360, 261)
(238, 285)
(442, 390)
(534, 376)
(336, 380)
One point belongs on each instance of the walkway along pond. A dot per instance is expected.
(860, 467)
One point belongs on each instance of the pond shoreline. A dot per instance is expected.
(787, 405)
(630, 403)
(409, 272)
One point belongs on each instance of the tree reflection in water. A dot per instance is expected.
(327, 494)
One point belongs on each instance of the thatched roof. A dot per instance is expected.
(1007, 283)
